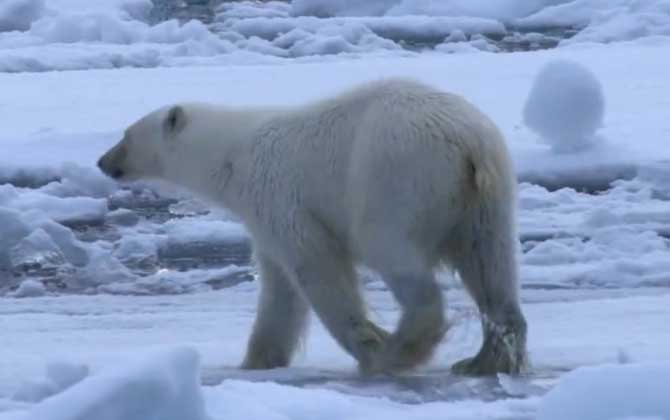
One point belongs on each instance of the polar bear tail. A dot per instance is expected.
(492, 172)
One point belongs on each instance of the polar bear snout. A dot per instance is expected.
(112, 162)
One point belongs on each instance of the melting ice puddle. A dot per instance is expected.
(416, 388)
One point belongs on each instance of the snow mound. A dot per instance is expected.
(603, 20)
(502, 11)
(639, 19)
(30, 288)
(112, 29)
(614, 392)
(565, 106)
(59, 377)
(164, 386)
(18, 15)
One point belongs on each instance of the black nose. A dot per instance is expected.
(115, 173)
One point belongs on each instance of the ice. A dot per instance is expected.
(636, 20)
(161, 386)
(604, 20)
(569, 329)
(249, 9)
(17, 15)
(566, 106)
(406, 28)
(138, 251)
(74, 250)
(71, 34)
(12, 230)
(75, 180)
(206, 229)
(173, 282)
(122, 217)
(141, 269)
(37, 251)
(610, 392)
(455, 43)
(503, 11)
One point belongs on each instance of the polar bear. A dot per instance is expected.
(394, 175)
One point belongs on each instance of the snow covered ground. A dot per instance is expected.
(568, 329)
(114, 292)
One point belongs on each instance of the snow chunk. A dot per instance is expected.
(250, 9)
(203, 230)
(30, 288)
(565, 106)
(78, 27)
(610, 392)
(163, 386)
(18, 15)
(36, 250)
(60, 376)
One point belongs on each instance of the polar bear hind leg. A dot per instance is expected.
(482, 250)
(422, 323)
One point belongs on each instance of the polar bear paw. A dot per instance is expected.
(503, 351)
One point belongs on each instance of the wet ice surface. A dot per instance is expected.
(569, 328)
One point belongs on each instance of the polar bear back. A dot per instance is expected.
(393, 152)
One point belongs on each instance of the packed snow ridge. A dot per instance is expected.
(43, 35)
(165, 385)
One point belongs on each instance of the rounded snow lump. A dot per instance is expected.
(565, 106)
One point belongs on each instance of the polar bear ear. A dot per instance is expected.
(175, 121)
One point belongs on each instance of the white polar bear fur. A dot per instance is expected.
(393, 174)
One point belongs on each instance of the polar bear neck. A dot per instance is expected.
(215, 164)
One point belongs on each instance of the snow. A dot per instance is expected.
(29, 288)
(93, 275)
(59, 377)
(93, 237)
(610, 392)
(18, 15)
(604, 20)
(566, 106)
(99, 334)
(162, 386)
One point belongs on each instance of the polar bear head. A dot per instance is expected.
(148, 146)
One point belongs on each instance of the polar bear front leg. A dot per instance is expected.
(281, 319)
